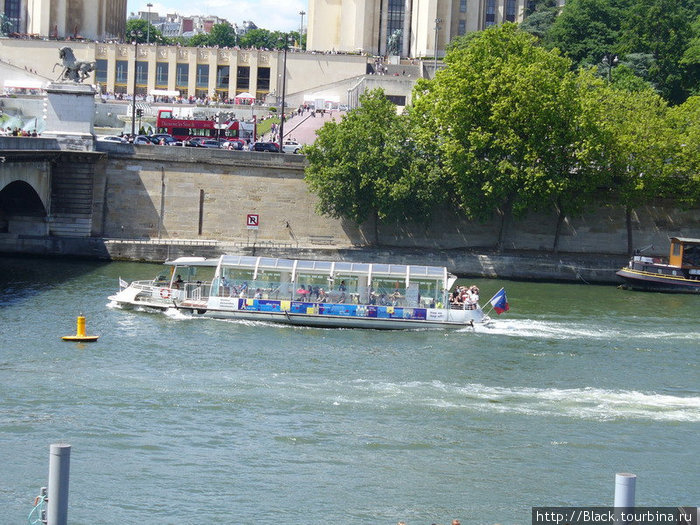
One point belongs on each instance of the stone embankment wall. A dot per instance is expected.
(186, 193)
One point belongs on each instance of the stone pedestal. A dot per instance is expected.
(70, 114)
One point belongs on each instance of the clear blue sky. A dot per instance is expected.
(275, 15)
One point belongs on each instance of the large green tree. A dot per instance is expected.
(637, 141)
(683, 166)
(663, 28)
(504, 115)
(361, 167)
(587, 30)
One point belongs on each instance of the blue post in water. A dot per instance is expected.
(624, 493)
(59, 474)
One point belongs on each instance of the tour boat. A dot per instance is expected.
(680, 273)
(305, 292)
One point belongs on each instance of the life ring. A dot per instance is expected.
(165, 293)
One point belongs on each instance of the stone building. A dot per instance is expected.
(409, 28)
(60, 19)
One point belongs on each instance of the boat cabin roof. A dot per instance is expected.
(685, 240)
(398, 271)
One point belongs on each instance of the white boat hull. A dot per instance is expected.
(291, 312)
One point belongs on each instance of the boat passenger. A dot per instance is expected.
(322, 296)
(302, 292)
(178, 282)
(243, 290)
(258, 294)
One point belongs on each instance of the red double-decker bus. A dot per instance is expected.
(189, 128)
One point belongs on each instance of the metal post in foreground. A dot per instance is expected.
(59, 474)
(624, 492)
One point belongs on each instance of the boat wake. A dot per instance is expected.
(569, 330)
(579, 403)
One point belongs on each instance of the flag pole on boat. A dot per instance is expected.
(498, 302)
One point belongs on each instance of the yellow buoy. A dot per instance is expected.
(80, 333)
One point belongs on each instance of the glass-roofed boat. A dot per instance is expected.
(305, 292)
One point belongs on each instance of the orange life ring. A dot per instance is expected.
(165, 293)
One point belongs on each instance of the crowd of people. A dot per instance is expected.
(16, 132)
(466, 298)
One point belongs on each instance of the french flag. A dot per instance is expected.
(500, 301)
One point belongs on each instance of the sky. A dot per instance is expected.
(275, 15)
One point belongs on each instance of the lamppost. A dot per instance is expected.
(284, 87)
(135, 35)
(148, 27)
(301, 28)
(610, 61)
(438, 21)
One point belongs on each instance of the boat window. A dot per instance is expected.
(691, 255)
(676, 248)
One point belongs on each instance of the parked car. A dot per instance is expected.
(210, 143)
(158, 137)
(113, 138)
(265, 146)
(291, 146)
(235, 144)
(142, 140)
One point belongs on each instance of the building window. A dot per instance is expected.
(510, 10)
(462, 29)
(182, 75)
(462, 6)
(13, 12)
(141, 73)
(161, 74)
(394, 26)
(490, 13)
(203, 75)
(263, 79)
(121, 70)
(101, 71)
(243, 78)
(222, 77)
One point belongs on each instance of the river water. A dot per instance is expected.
(195, 421)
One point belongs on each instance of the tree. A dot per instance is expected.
(539, 22)
(505, 117)
(223, 35)
(637, 141)
(262, 39)
(148, 31)
(664, 29)
(587, 30)
(361, 168)
(683, 167)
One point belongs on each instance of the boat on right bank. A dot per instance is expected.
(680, 273)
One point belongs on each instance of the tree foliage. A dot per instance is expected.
(587, 30)
(147, 30)
(506, 118)
(509, 127)
(666, 32)
(361, 167)
(664, 29)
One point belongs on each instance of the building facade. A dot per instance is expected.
(60, 19)
(409, 28)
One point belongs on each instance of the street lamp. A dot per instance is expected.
(135, 35)
(438, 21)
(148, 27)
(610, 61)
(301, 28)
(284, 87)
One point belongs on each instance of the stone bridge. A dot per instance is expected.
(46, 191)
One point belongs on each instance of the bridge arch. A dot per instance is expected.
(21, 210)
(36, 174)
